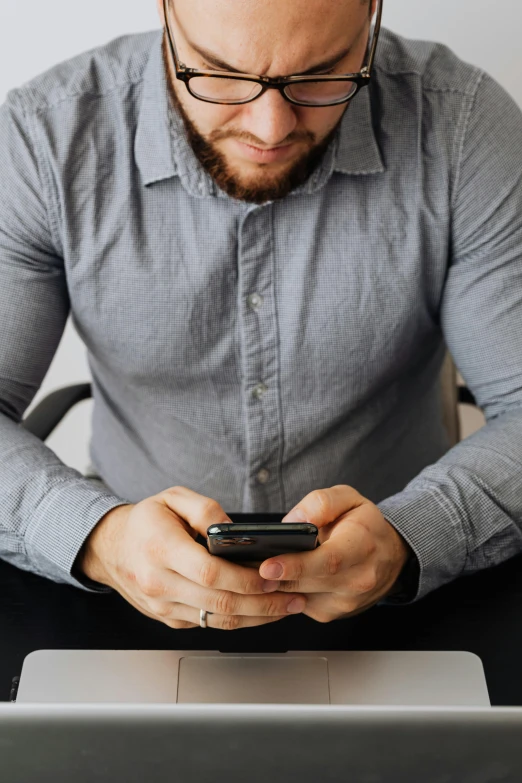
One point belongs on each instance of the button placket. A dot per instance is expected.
(259, 350)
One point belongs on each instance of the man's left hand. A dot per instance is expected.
(359, 560)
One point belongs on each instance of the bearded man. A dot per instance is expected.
(269, 222)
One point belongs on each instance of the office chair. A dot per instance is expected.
(52, 409)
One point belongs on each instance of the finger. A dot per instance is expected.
(225, 602)
(325, 569)
(224, 622)
(198, 511)
(359, 580)
(323, 506)
(181, 554)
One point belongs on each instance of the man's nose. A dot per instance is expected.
(270, 118)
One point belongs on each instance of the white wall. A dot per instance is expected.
(36, 34)
(472, 28)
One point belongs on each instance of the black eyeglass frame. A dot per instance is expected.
(360, 79)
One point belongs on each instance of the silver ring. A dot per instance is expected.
(203, 617)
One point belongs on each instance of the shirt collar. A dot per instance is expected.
(162, 149)
(153, 148)
(358, 150)
(161, 146)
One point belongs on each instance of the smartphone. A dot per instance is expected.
(253, 542)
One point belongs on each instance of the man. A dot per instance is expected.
(266, 272)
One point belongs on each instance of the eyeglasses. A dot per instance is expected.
(229, 88)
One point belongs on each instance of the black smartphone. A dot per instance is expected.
(253, 541)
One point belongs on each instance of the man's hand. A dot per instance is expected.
(359, 560)
(148, 553)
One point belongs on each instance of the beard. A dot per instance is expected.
(257, 189)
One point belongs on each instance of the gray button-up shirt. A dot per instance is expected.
(255, 353)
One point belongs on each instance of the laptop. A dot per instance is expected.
(294, 678)
(191, 743)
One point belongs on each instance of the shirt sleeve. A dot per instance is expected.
(47, 509)
(464, 513)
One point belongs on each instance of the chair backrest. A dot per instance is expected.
(450, 400)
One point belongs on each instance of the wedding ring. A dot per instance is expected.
(203, 617)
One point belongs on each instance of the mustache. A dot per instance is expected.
(248, 138)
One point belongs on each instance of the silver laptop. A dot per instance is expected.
(182, 743)
(299, 678)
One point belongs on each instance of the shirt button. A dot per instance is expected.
(263, 476)
(255, 301)
(259, 390)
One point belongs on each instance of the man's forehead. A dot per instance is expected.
(271, 29)
(261, 14)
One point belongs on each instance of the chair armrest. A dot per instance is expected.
(52, 409)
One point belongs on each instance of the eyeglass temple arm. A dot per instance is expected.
(374, 38)
(177, 63)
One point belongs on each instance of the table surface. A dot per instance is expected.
(479, 613)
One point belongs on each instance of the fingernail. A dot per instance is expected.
(270, 587)
(295, 516)
(273, 571)
(296, 605)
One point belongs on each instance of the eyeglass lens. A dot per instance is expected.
(226, 90)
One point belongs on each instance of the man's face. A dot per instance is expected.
(262, 150)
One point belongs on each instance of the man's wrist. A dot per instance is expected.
(93, 556)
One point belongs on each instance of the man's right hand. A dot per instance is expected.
(148, 553)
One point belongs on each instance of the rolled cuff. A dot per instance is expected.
(429, 525)
(67, 514)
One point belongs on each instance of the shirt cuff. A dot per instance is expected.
(68, 513)
(407, 585)
(430, 526)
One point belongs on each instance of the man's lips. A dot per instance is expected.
(258, 155)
